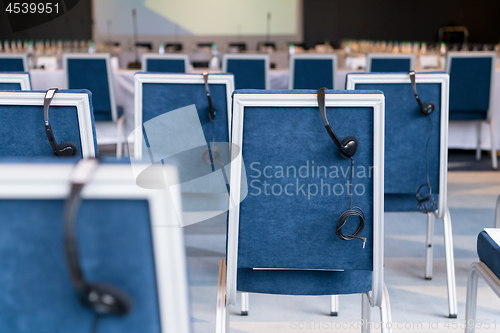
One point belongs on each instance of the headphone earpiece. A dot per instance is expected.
(428, 108)
(105, 299)
(348, 147)
(66, 149)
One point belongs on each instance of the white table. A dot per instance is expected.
(462, 135)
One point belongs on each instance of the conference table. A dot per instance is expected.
(462, 135)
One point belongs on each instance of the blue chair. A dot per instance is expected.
(389, 63)
(93, 72)
(165, 63)
(280, 239)
(471, 92)
(22, 131)
(312, 71)
(488, 268)
(157, 96)
(127, 236)
(15, 81)
(13, 62)
(406, 135)
(251, 71)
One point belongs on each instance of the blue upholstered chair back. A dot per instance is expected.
(9, 85)
(471, 80)
(115, 246)
(390, 63)
(93, 74)
(406, 133)
(12, 63)
(12, 80)
(288, 154)
(166, 66)
(22, 131)
(159, 98)
(313, 72)
(248, 73)
(165, 63)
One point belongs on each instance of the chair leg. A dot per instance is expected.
(222, 313)
(478, 149)
(365, 313)
(450, 265)
(334, 305)
(245, 304)
(385, 313)
(471, 303)
(493, 147)
(429, 250)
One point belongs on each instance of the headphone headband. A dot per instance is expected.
(211, 108)
(101, 298)
(322, 111)
(65, 148)
(427, 108)
(349, 145)
(81, 174)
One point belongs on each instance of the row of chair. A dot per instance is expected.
(262, 262)
(471, 82)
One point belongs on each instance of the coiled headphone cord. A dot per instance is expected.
(426, 204)
(352, 211)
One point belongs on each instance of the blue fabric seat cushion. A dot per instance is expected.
(304, 282)
(313, 74)
(11, 65)
(166, 65)
(115, 247)
(390, 65)
(489, 252)
(248, 73)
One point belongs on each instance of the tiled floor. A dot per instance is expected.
(417, 305)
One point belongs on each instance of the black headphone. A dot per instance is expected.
(347, 149)
(65, 148)
(101, 298)
(426, 108)
(349, 145)
(426, 203)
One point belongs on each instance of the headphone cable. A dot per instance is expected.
(352, 211)
(422, 200)
(95, 323)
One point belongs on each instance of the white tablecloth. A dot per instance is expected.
(462, 135)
